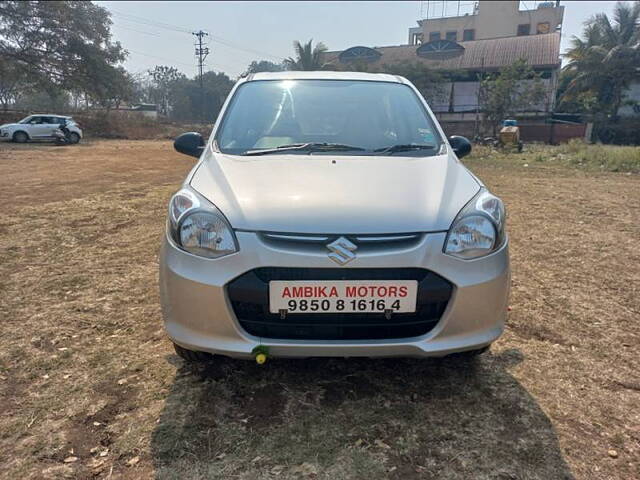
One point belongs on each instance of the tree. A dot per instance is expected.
(188, 105)
(13, 83)
(164, 80)
(53, 98)
(142, 88)
(604, 62)
(179, 97)
(61, 43)
(117, 86)
(584, 101)
(428, 81)
(264, 66)
(516, 88)
(308, 57)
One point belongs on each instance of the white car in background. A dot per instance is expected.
(39, 127)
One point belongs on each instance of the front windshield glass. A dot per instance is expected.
(267, 114)
(26, 119)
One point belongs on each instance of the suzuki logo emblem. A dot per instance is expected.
(342, 251)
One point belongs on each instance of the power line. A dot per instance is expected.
(216, 65)
(171, 60)
(239, 64)
(175, 28)
(249, 50)
(160, 58)
(140, 31)
(147, 21)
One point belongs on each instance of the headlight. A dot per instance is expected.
(478, 229)
(198, 227)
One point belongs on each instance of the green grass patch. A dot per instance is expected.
(574, 154)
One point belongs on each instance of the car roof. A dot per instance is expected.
(326, 75)
(48, 115)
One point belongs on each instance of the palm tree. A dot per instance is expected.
(307, 57)
(607, 59)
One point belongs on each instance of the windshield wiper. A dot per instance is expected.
(306, 147)
(405, 148)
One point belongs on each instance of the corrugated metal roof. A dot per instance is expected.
(537, 50)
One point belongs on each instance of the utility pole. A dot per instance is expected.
(201, 54)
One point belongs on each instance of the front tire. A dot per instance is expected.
(192, 356)
(74, 138)
(20, 137)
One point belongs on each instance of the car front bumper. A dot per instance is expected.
(198, 314)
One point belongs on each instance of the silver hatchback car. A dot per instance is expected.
(328, 215)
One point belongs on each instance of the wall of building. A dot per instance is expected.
(458, 97)
(494, 19)
(444, 25)
(552, 133)
(632, 95)
(530, 131)
(146, 113)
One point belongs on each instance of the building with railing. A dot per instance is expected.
(466, 21)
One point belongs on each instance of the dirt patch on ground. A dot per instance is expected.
(41, 173)
(90, 388)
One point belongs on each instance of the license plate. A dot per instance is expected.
(343, 296)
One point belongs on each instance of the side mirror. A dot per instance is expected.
(461, 146)
(190, 143)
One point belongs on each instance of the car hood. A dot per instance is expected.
(336, 194)
(8, 125)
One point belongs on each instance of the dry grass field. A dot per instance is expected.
(90, 386)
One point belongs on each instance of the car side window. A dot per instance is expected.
(35, 121)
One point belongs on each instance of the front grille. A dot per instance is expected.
(367, 243)
(249, 297)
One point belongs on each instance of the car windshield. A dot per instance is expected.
(26, 119)
(304, 116)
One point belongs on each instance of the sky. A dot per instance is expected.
(159, 33)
